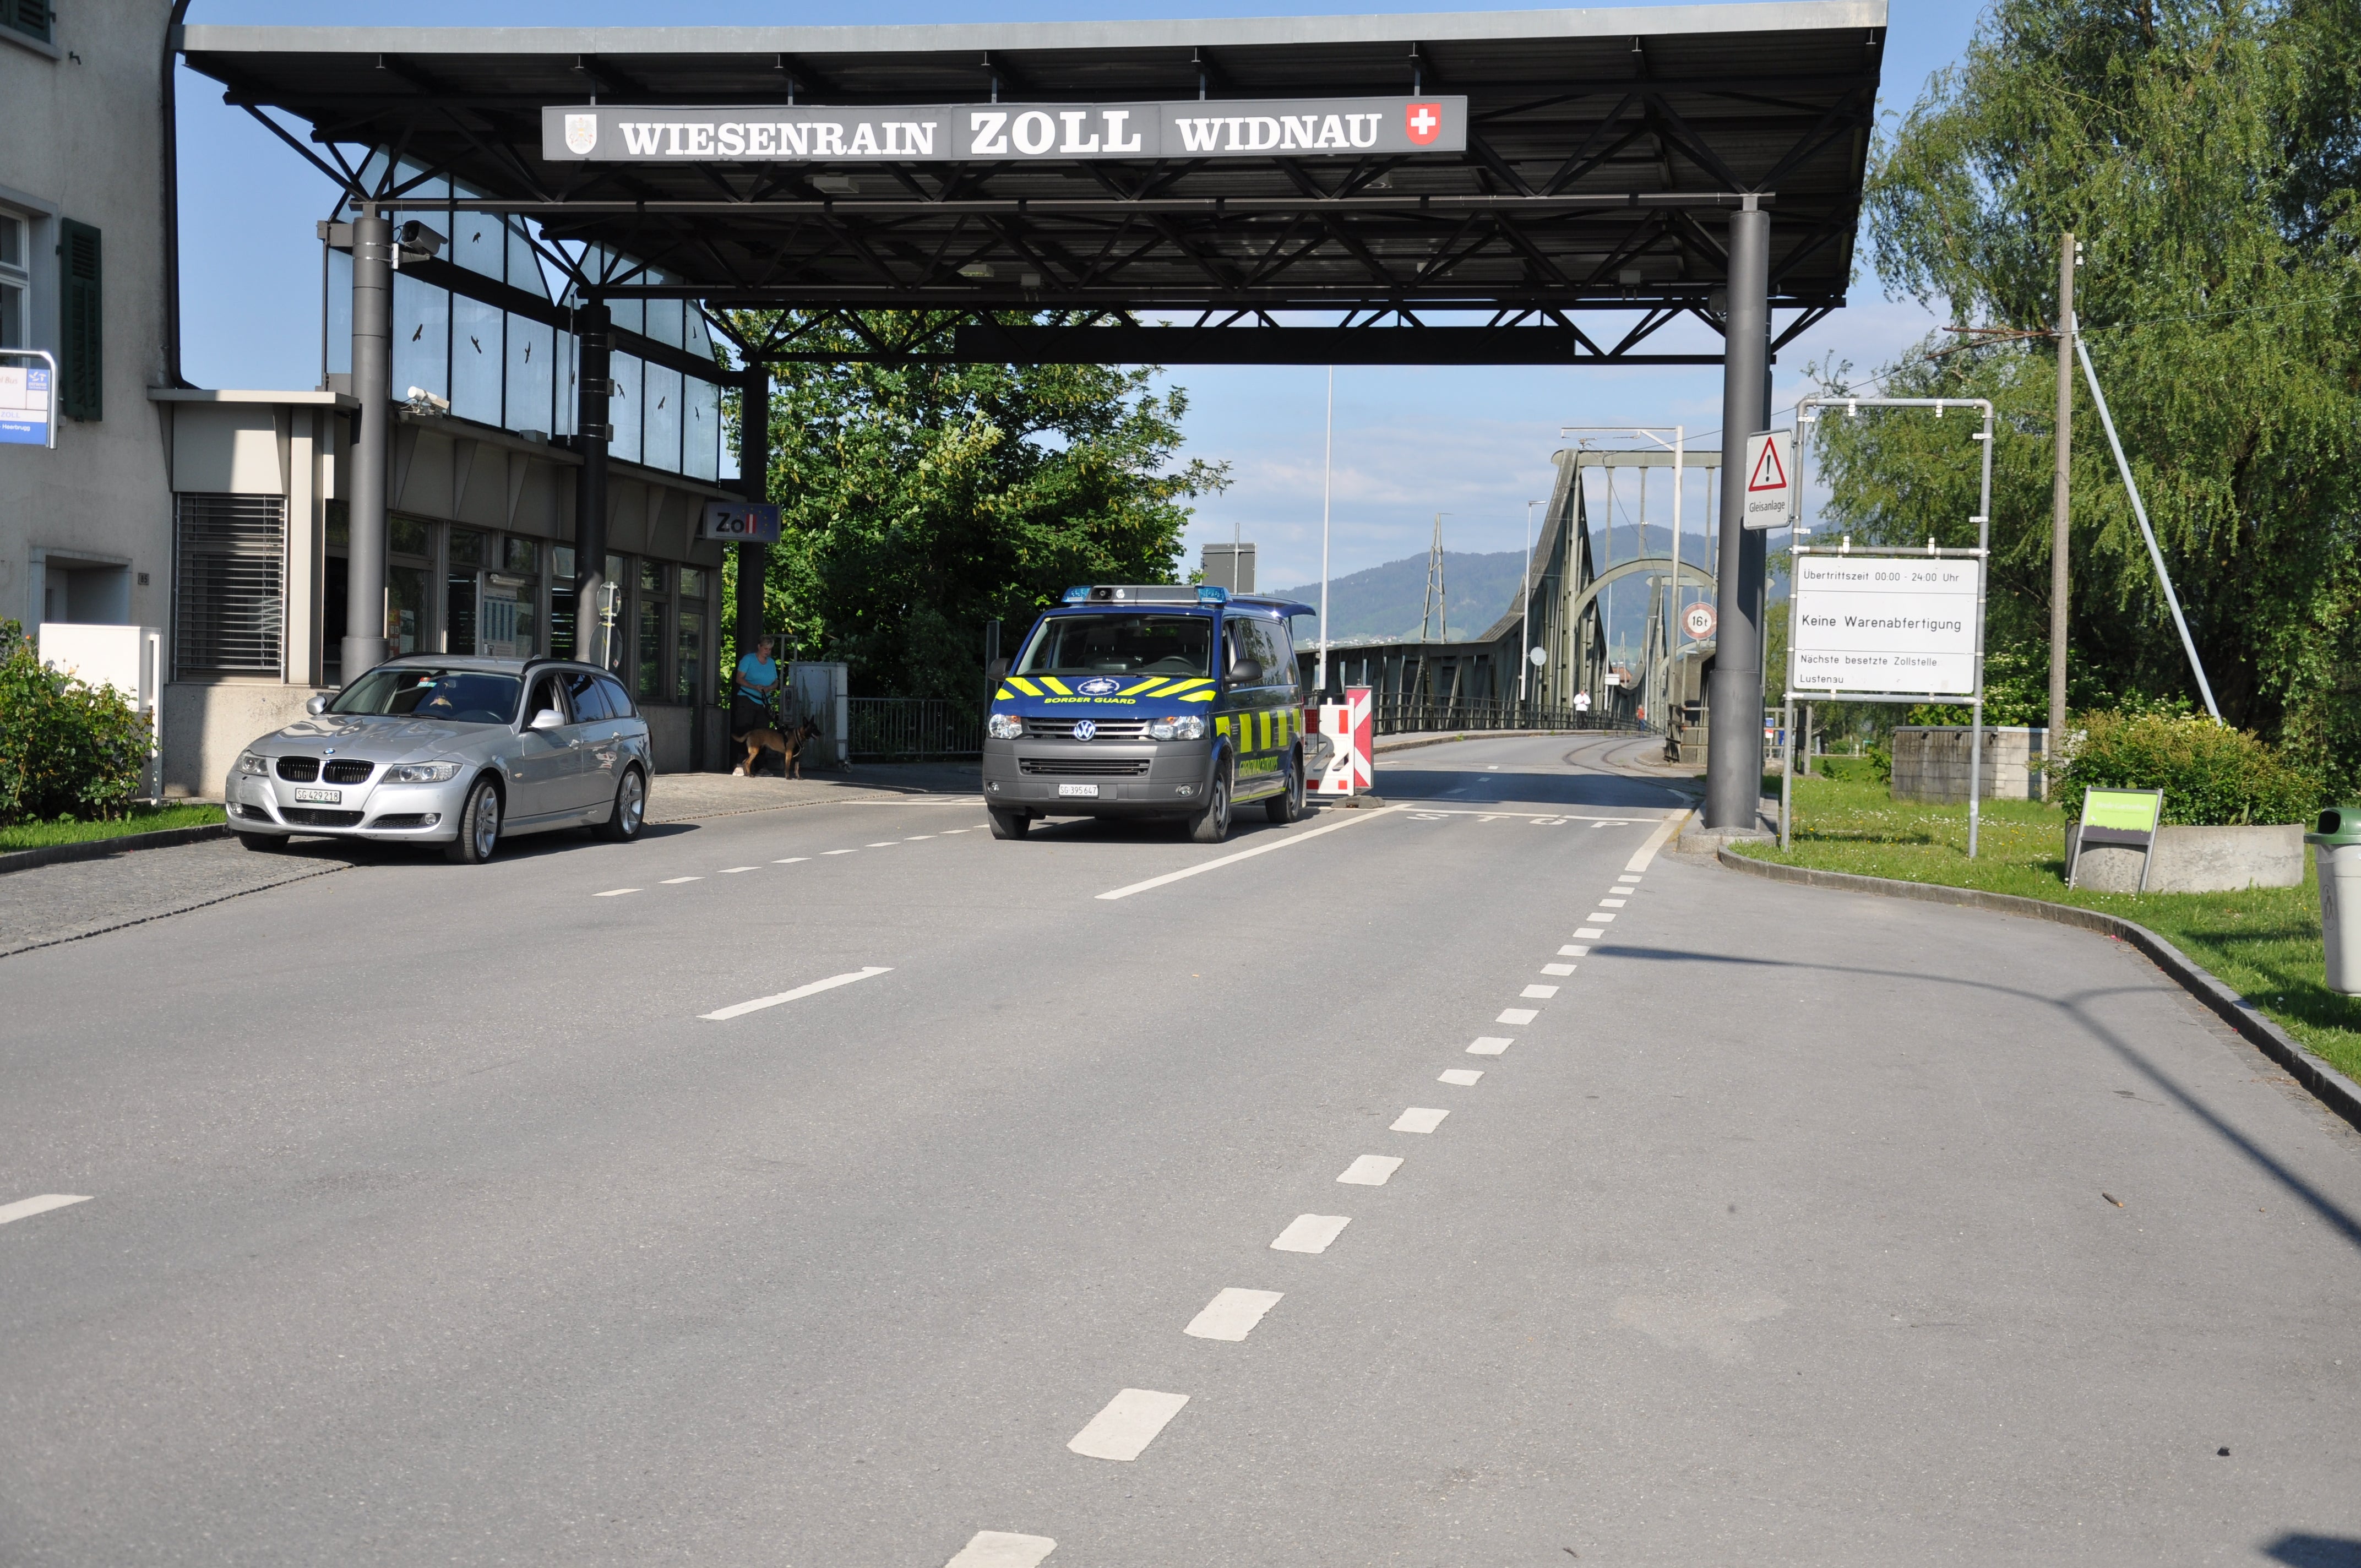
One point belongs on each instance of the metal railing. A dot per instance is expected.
(907, 729)
(1411, 716)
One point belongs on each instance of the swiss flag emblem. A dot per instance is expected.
(1423, 121)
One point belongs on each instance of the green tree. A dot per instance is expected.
(2206, 152)
(917, 502)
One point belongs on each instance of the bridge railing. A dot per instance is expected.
(911, 729)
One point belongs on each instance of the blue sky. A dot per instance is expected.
(1473, 443)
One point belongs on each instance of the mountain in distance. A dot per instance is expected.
(1381, 603)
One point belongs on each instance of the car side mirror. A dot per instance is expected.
(1247, 672)
(315, 705)
(547, 718)
(996, 672)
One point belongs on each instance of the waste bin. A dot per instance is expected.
(2337, 849)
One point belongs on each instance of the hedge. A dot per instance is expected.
(66, 749)
(2212, 775)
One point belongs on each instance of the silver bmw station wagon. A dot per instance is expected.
(455, 751)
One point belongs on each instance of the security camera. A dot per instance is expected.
(416, 241)
(423, 401)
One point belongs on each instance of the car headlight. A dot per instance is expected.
(421, 772)
(1004, 727)
(1189, 727)
(252, 766)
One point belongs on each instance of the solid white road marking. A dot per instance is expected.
(1539, 992)
(1517, 1016)
(1249, 854)
(1574, 952)
(1127, 1425)
(1590, 934)
(1489, 1046)
(615, 893)
(1370, 1170)
(1541, 815)
(1465, 1076)
(26, 1208)
(1233, 1314)
(839, 852)
(1310, 1232)
(733, 871)
(831, 983)
(1656, 840)
(791, 860)
(1557, 969)
(1417, 1119)
(676, 881)
(999, 1549)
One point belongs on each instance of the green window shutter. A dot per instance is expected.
(81, 370)
(31, 17)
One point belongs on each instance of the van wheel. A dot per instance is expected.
(1211, 825)
(1010, 824)
(480, 827)
(1287, 806)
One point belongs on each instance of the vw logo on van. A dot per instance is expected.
(1085, 729)
(1098, 685)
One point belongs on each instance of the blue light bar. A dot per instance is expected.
(1077, 596)
(1207, 593)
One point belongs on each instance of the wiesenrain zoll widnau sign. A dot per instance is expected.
(1770, 500)
(1877, 624)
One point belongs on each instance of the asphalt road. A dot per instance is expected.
(431, 1216)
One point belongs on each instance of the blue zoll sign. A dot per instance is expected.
(969, 133)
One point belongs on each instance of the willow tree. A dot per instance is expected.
(2207, 154)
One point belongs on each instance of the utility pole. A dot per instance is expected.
(2061, 485)
(1435, 608)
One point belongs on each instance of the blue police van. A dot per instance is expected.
(1157, 701)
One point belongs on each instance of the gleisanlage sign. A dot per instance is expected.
(1902, 624)
(971, 133)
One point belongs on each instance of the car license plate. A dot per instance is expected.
(1087, 791)
(321, 796)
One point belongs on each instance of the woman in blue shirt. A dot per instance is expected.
(758, 679)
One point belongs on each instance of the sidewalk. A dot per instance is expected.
(690, 797)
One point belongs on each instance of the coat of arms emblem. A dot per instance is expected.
(581, 133)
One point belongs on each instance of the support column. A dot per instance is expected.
(364, 631)
(755, 477)
(1733, 776)
(592, 432)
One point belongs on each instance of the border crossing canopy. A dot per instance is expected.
(1529, 167)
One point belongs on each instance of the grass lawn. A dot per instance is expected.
(143, 820)
(2264, 942)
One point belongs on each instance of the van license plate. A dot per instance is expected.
(1088, 792)
(320, 796)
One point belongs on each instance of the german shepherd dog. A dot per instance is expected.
(790, 748)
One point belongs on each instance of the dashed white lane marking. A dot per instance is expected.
(1656, 840)
(1628, 880)
(791, 860)
(615, 893)
(886, 845)
(1489, 1046)
(1539, 992)
(831, 983)
(1127, 1425)
(1557, 969)
(839, 852)
(1601, 915)
(1517, 1016)
(948, 832)
(1613, 903)
(1370, 1170)
(1574, 952)
(733, 871)
(1293, 838)
(1417, 1119)
(676, 881)
(1233, 1314)
(917, 837)
(1310, 1232)
(1590, 933)
(26, 1208)
(999, 1549)
(1465, 1076)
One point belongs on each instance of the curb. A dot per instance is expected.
(99, 848)
(2327, 1085)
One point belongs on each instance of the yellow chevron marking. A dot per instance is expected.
(1135, 691)
(1003, 692)
(1198, 697)
(1055, 684)
(1027, 687)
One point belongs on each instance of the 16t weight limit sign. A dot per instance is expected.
(1897, 625)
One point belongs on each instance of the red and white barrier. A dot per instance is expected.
(1351, 728)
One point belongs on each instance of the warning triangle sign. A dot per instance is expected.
(1768, 475)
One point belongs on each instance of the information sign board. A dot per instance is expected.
(1899, 624)
(26, 407)
(740, 522)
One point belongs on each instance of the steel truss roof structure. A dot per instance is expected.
(1602, 145)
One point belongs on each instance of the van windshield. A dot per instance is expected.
(455, 696)
(1121, 644)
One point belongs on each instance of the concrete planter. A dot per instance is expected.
(1930, 762)
(2195, 860)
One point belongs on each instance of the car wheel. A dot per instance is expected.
(1010, 824)
(631, 813)
(480, 826)
(1288, 805)
(261, 843)
(1211, 825)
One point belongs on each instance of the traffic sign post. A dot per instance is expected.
(1888, 628)
(1697, 620)
(1770, 480)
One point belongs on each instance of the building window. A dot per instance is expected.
(16, 278)
(31, 17)
(689, 659)
(229, 595)
(650, 660)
